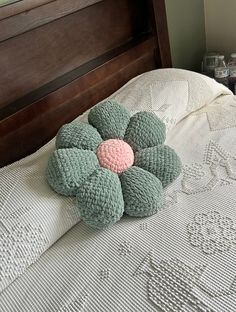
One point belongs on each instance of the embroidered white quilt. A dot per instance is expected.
(181, 259)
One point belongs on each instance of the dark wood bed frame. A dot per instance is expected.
(60, 57)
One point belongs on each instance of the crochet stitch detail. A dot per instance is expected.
(100, 199)
(145, 130)
(142, 191)
(115, 155)
(78, 134)
(162, 161)
(124, 173)
(68, 168)
(110, 119)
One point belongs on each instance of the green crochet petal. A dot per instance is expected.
(145, 130)
(162, 161)
(99, 199)
(78, 134)
(68, 168)
(142, 192)
(110, 119)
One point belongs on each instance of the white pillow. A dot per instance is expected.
(33, 216)
(170, 93)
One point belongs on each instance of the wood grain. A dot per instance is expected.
(61, 81)
(39, 16)
(21, 6)
(56, 71)
(35, 58)
(37, 123)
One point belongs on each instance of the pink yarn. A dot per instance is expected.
(115, 155)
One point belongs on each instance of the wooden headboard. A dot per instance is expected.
(60, 57)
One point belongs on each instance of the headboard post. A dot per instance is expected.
(159, 22)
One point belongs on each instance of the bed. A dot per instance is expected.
(180, 259)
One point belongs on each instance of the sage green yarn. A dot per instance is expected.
(102, 196)
(78, 134)
(68, 168)
(145, 130)
(110, 119)
(162, 161)
(99, 199)
(142, 192)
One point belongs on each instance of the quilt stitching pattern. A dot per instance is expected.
(19, 247)
(172, 198)
(217, 169)
(143, 226)
(221, 119)
(16, 214)
(220, 116)
(170, 284)
(22, 243)
(222, 292)
(125, 248)
(162, 110)
(76, 305)
(6, 190)
(157, 104)
(9, 210)
(211, 232)
(104, 274)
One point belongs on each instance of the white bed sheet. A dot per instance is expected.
(181, 259)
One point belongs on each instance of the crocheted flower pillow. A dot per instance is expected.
(114, 164)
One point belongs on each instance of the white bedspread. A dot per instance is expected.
(181, 259)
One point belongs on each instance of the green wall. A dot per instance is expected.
(186, 25)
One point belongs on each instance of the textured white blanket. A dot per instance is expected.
(181, 259)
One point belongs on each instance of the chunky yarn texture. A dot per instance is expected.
(114, 164)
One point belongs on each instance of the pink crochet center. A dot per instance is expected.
(115, 155)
